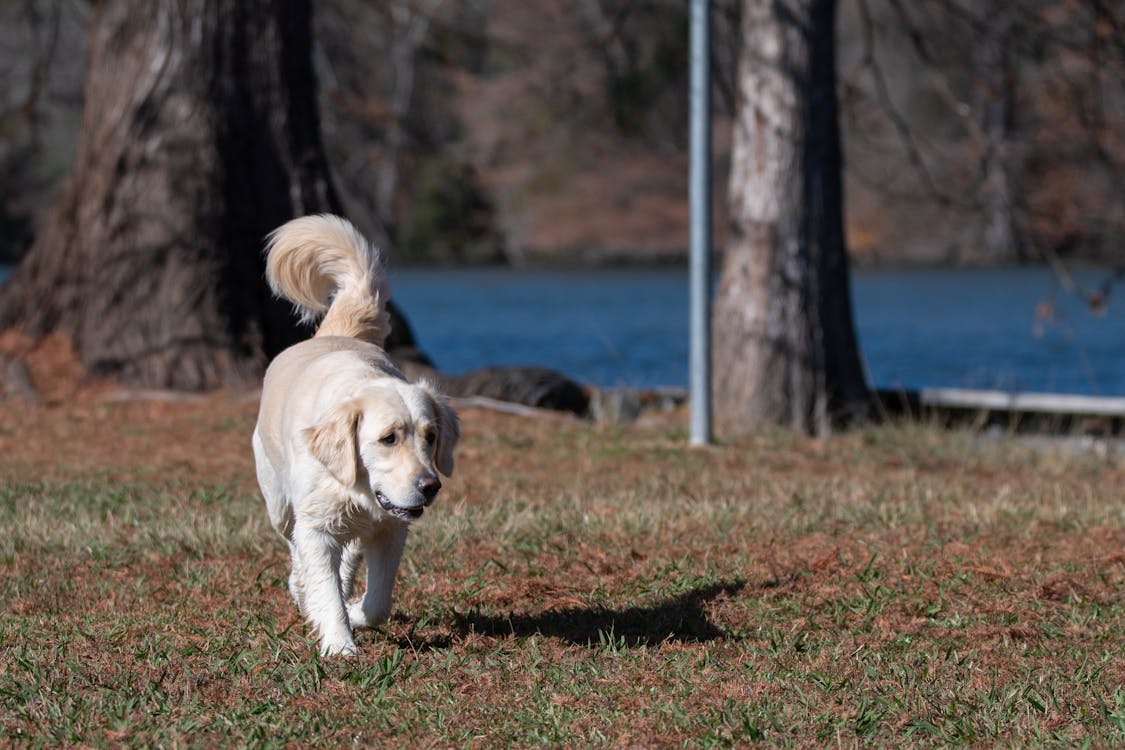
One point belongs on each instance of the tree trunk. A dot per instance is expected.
(785, 346)
(1001, 240)
(199, 136)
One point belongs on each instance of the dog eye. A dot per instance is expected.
(430, 436)
(389, 439)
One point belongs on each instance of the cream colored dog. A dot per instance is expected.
(347, 451)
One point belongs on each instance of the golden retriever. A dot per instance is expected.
(347, 451)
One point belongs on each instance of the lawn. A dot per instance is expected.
(575, 585)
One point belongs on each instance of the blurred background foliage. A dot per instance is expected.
(555, 131)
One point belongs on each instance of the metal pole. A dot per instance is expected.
(700, 189)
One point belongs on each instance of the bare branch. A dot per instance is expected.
(902, 128)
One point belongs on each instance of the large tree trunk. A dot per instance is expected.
(785, 346)
(199, 136)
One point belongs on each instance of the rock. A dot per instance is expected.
(538, 387)
(15, 382)
(531, 386)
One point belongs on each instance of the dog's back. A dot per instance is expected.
(305, 378)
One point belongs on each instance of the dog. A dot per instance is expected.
(347, 452)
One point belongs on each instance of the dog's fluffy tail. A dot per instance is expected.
(323, 265)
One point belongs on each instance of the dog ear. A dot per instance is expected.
(332, 442)
(449, 430)
(448, 436)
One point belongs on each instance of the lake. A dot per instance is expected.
(970, 328)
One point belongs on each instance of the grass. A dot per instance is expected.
(575, 586)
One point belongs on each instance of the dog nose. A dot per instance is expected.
(429, 487)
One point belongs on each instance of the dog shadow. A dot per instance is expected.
(679, 618)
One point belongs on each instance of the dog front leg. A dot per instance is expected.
(296, 570)
(349, 564)
(382, 555)
(320, 584)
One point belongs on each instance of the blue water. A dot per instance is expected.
(980, 329)
(917, 328)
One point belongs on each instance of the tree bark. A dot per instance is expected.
(1001, 240)
(785, 345)
(199, 136)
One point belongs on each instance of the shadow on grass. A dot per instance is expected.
(679, 618)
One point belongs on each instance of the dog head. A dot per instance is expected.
(392, 441)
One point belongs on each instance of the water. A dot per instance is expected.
(980, 329)
(605, 327)
(917, 328)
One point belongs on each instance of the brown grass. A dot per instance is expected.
(574, 586)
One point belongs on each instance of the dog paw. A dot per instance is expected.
(346, 648)
(357, 618)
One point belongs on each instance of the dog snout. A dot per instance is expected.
(429, 486)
